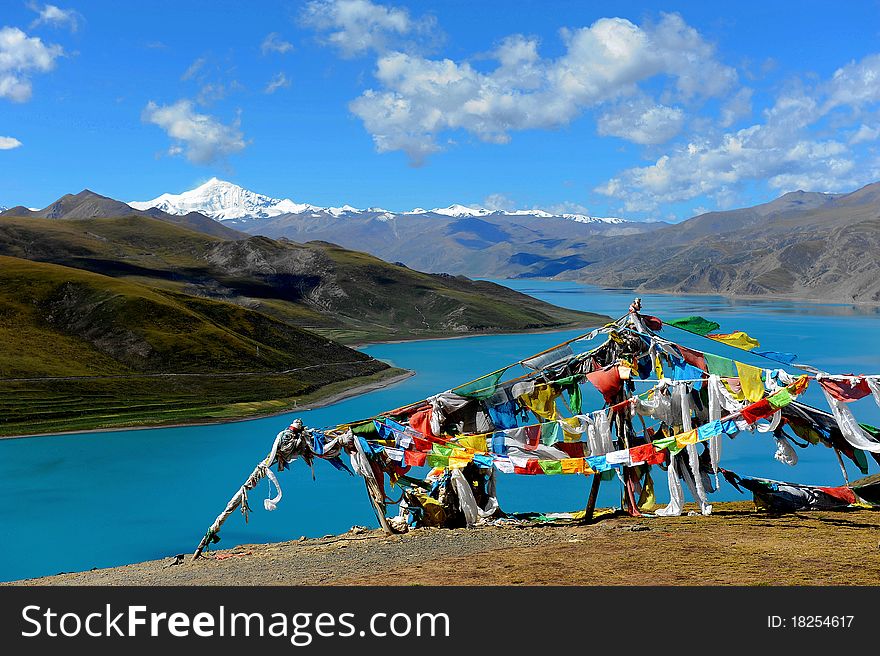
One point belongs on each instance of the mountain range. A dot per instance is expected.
(226, 201)
(458, 239)
(802, 245)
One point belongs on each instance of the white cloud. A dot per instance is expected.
(566, 207)
(419, 98)
(8, 143)
(55, 16)
(737, 107)
(784, 150)
(641, 121)
(498, 202)
(194, 69)
(863, 134)
(279, 81)
(21, 56)
(358, 26)
(202, 138)
(274, 43)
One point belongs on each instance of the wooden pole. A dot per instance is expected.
(234, 503)
(378, 504)
(591, 501)
(842, 466)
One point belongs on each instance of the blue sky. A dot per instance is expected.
(645, 110)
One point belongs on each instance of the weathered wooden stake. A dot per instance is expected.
(591, 501)
(842, 466)
(378, 503)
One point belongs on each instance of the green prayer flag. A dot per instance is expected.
(571, 385)
(780, 399)
(551, 432)
(551, 466)
(437, 461)
(367, 430)
(697, 325)
(482, 388)
(724, 367)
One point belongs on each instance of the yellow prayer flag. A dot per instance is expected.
(738, 340)
(570, 423)
(475, 442)
(458, 462)
(750, 379)
(572, 465)
(683, 439)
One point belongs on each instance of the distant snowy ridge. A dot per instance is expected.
(225, 201)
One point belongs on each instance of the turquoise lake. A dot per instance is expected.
(75, 502)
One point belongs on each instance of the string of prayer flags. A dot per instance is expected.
(778, 356)
(696, 325)
(737, 339)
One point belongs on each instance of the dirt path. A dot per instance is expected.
(734, 546)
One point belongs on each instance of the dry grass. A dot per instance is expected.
(734, 546)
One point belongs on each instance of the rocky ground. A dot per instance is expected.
(733, 546)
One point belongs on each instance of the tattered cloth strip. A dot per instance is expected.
(696, 325)
(849, 427)
(552, 356)
(780, 497)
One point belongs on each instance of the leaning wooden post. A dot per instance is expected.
(842, 466)
(256, 476)
(591, 501)
(378, 504)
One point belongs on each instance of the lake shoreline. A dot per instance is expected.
(320, 402)
(355, 390)
(730, 297)
(539, 331)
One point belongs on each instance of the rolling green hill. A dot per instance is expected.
(83, 350)
(346, 294)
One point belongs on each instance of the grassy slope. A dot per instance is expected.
(348, 295)
(59, 322)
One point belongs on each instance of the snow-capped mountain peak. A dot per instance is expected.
(461, 210)
(223, 200)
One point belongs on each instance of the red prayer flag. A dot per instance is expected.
(421, 422)
(843, 390)
(573, 449)
(532, 468)
(693, 357)
(648, 454)
(758, 410)
(607, 381)
(414, 458)
(842, 493)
